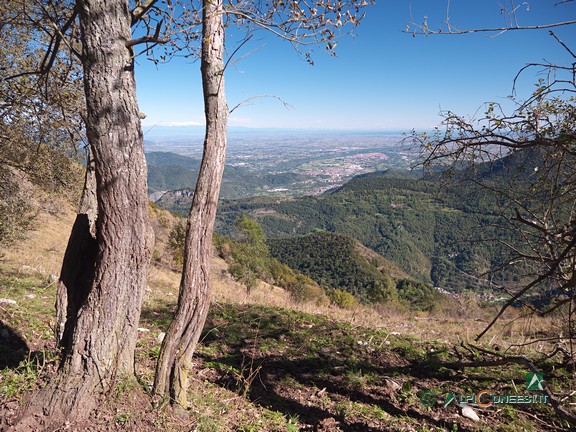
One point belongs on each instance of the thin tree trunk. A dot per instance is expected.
(104, 331)
(182, 336)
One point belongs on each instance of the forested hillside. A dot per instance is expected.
(332, 260)
(430, 230)
(446, 232)
(337, 261)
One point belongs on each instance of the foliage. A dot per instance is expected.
(250, 261)
(418, 295)
(252, 235)
(343, 299)
(333, 260)
(40, 123)
(302, 25)
(250, 253)
(23, 378)
(176, 241)
(424, 226)
(16, 212)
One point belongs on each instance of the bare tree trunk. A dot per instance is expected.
(182, 336)
(103, 328)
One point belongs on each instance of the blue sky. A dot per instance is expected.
(381, 79)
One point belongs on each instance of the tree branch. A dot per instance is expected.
(286, 104)
(155, 38)
(562, 43)
(554, 265)
(428, 31)
(140, 10)
(501, 360)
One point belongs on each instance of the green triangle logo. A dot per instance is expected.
(449, 399)
(534, 381)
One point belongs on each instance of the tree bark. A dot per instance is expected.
(182, 336)
(103, 331)
(77, 273)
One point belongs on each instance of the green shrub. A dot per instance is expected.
(343, 299)
(176, 241)
(309, 292)
(418, 295)
(249, 261)
(383, 290)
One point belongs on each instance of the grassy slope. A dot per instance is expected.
(265, 363)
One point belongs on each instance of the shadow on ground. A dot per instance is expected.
(320, 371)
(13, 349)
(332, 376)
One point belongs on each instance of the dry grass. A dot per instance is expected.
(462, 321)
(44, 248)
(215, 406)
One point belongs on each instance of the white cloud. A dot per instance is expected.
(240, 121)
(173, 123)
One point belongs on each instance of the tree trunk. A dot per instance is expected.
(77, 273)
(103, 332)
(183, 333)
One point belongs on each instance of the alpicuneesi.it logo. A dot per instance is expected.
(485, 398)
(534, 381)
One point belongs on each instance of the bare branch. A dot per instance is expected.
(500, 360)
(140, 10)
(244, 42)
(155, 38)
(562, 43)
(428, 31)
(245, 101)
(552, 268)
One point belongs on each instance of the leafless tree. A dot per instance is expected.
(530, 158)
